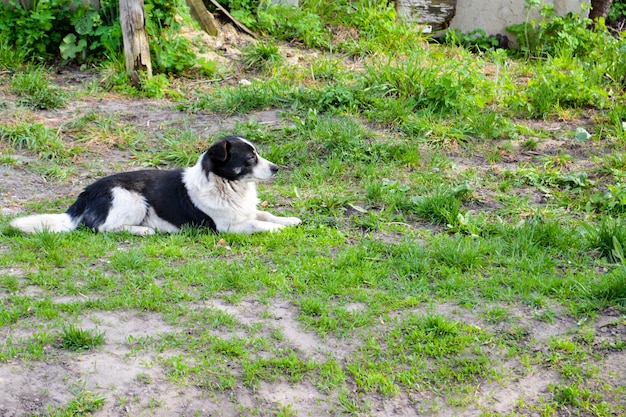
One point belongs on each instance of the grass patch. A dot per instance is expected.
(75, 338)
(36, 91)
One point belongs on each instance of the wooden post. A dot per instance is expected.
(136, 47)
(202, 15)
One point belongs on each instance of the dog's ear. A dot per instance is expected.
(219, 151)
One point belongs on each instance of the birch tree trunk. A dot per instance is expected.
(136, 47)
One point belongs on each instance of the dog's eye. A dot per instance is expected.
(252, 159)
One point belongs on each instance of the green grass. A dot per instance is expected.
(84, 403)
(75, 338)
(36, 91)
(11, 58)
(458, 234)
(34, 137)
(262, 56)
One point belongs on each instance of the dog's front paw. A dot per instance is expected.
(292, 221)
(140, 230)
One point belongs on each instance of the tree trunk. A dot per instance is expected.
(202, 15)
(600, 8)
(136, 47)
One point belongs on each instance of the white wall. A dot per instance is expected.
(494, 16)
(286, 2)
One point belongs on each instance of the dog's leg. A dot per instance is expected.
(283, 221)
(127, 212)
(138, 230)
(134, 230)
(252, 226)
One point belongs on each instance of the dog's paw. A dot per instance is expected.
(291, 221)
(275, 227)
(140, 230)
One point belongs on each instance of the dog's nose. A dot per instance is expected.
(274, 168)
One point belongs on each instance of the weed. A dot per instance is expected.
(239, 99)
(155, 86)
(476, 40)
(34, 348)
(462, 252)
(611, 289)
(128, 261)
(285, 22)
(75, 338)
(35, 137)
(409, 345)
(448, 89)
(36, 91)
(331, 376)
(350, 405)
(84, 403)
(550, 178)
(546, 316)
(327, 69)
(530, 144)
(9, 283)
(11, 58)
(286, 364)
(144, 378)
(442, 206)
(612, 163)
(561, 85)
(261, 56)
(612, 202)
(607, 237)
(497, 314)
(180, 149)
(557, 35)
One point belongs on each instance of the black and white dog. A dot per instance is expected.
(219, 192)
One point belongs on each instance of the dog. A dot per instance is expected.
(218, 192)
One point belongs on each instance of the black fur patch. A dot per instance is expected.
(162, 190)
(231, 158)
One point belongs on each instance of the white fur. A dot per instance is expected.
(129, 211)
(262, 171)
(44, 223)
(127, 208)
(232, 205)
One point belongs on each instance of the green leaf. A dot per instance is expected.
(69, 47)
(618, 251)
(84, 24)
(581, 135)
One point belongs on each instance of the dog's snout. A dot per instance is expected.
(274, 168)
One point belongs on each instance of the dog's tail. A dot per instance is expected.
(45, 222)
(63, 222)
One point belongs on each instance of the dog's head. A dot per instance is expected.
(234, 158)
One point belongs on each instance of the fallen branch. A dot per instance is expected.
(240, 25)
